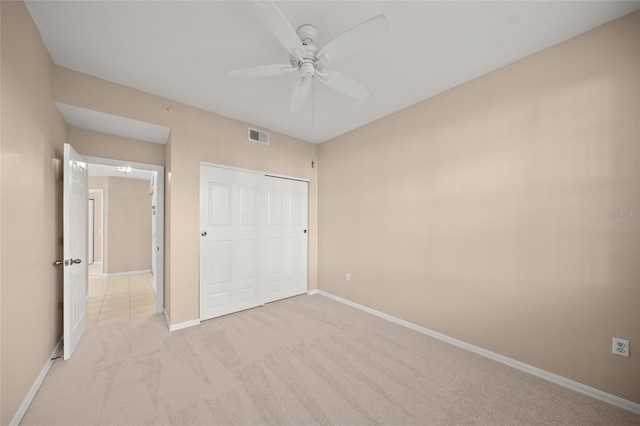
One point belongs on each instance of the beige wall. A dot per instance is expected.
(127, 223)
(479, 213)
(482, 213)
(33, 133)
(220, 140)
(129, 213)
(196, 136)
(95, 144)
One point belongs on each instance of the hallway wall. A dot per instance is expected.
(127, 223)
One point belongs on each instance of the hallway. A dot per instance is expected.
(116, 299)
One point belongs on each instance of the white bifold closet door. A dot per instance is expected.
(286, 238)
(253, 240)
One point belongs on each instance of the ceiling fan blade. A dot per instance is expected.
(353, 40)
(343, 84)
(261, 71)
(300, 93)
(280, 27)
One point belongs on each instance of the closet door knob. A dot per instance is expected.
(203, 233)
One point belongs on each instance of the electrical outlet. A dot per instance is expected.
(620, 347)
(347, 277)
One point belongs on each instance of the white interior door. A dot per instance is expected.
(75, 250)
(286, 238)
(231, 241)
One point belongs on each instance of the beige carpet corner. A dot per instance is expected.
(302, 361)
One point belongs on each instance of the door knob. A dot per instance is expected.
(203, 233)
(76, 261)
(58, 263)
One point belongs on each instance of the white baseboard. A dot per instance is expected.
(312, 292)
(17, 418)
(179, 326)
(554, 378)
(121, 274)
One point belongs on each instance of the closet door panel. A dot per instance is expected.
(288, 203)
(253, 245)
(230, 245)
(247, 237)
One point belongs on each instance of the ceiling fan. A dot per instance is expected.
(310, 60)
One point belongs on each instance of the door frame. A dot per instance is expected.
(101, 224)
(159, 214)
(263, 173)
(91, 219)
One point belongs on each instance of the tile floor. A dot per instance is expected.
(115, 299)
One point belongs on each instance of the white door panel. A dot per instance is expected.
(231, 224)
(74, 219)
(219, 203)
(286, 232)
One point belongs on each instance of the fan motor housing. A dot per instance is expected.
(310, 51)
(307, 33)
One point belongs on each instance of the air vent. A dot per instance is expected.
(258, 136)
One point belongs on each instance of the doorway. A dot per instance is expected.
(154, 188)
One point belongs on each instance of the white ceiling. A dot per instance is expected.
(180, 50)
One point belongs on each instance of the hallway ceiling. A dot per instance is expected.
(83, 118)
(181, 49)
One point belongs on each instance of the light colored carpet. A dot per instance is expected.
(301, 361)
